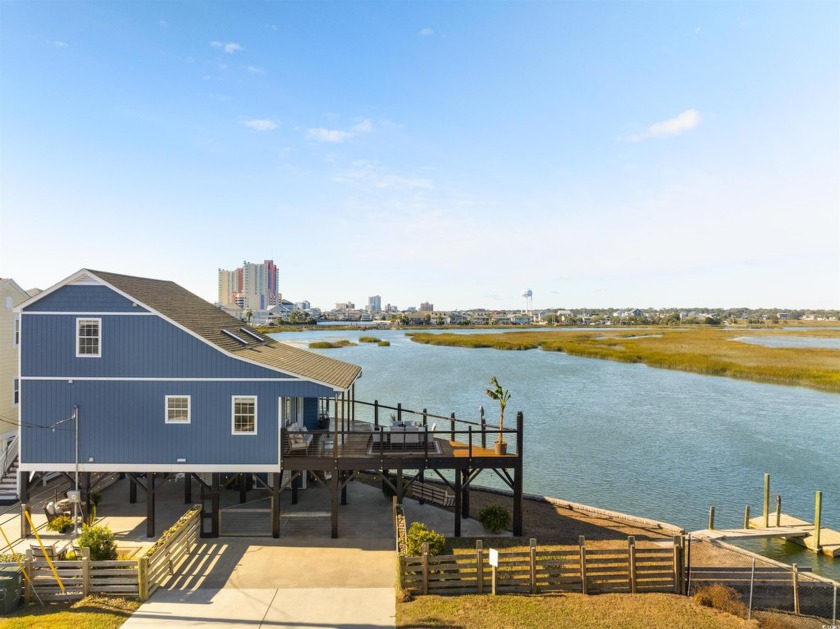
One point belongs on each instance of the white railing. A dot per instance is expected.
(8, 456)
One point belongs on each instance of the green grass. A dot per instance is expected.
(384, 343)
(93, 612)
(369, 339)
(709, 351)
(562, 611)
(329, 345)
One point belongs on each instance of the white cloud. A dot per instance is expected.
(229, 47)
(369, 175)
(426, 32)
(255, 70)
(261, 125)
(333, 136)
(686, 121)
(61, 44)
(365, 126)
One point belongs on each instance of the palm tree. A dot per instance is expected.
(496, 392)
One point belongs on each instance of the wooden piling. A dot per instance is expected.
(766, 500)
(582, 543)
(817, 518)
(747, 517)
(711, 518)
(631, 559)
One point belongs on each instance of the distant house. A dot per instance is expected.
(161, 381)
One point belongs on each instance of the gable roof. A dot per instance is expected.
(226, 332)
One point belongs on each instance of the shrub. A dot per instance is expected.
(721, 597)
(419, 533)
(100, 540)
(494, 518)
(60, 524)
(369, 339)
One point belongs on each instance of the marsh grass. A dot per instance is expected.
(369, 339)
(330, 345)
(705, 350)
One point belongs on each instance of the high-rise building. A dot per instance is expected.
(427, 307)
(252, 286)
(374, 304)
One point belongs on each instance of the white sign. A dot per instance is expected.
(493, 557)
(74, 496)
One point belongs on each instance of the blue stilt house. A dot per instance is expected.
(157, 380)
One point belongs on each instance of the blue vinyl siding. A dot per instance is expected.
(310, 413)
(136, 347)
(124, 423)
(83, 299)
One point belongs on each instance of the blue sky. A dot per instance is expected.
(645, 154)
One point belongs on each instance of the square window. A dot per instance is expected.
(244, 416)
(88, 338)
(177, 409)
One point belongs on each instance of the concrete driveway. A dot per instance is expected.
(304, 579)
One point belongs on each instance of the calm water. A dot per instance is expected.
(792, 341)
(650, 442)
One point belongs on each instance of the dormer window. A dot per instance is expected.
(88, 338)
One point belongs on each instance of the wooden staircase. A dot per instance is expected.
(8, 485)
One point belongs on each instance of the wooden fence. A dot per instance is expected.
(80, 577)
(135, 577)
(580, 569)
(161, 561)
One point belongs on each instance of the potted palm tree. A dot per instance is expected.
(496, 392)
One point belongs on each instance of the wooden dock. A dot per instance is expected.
(800, 532)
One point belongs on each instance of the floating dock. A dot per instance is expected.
(800, 532)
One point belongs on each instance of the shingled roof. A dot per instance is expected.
(229, 333)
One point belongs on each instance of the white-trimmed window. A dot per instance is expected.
(88, 338)
(291, 409)
(244, 415)
(17, 331)
(16, 391)
(177, 409)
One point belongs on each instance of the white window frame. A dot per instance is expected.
(233, 400)
(15, 391)
(167, 409)
(86, 320)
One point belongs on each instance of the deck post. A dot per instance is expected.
(425, 414)
(132, 489)
(483, 427)
(817, 519)
(187, 488)
(243, 492)
(150, 504)
(458, 496)
(465, 502)
(452, 426)
(399, 485)
(767, 501)
(334, 503)
(343, 489)
(215, 496)
(376, 414)
(25, 507)
(399, 412)
(275, 503)
(517, 474)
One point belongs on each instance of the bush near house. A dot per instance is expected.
(494, 518)
(100, 540)
(419, 533)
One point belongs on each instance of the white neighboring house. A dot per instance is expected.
(10, 296)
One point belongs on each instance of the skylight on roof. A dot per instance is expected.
(253, 335)
(234, 337)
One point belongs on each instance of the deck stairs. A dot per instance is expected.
(8, 484)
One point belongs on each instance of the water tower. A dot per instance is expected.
(528, 296)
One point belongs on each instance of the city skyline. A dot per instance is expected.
(601, 154)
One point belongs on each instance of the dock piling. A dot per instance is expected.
(711, 518)
(817, 518)
(747, 517)
(766, 500)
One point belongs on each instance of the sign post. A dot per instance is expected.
(493, 560)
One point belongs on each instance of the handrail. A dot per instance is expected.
(7, 458)
(400, 408)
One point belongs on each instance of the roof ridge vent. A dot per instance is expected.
(234, 337)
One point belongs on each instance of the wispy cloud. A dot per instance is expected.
(370, 175)
(163, 23)
(255, 70)
(426, 32)
(686, 121)
(61, 44)
(333, 136)
(228, 47)
(337, 136)
(260, 124)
